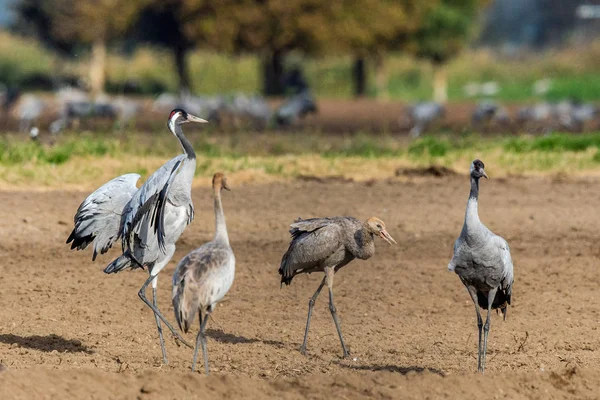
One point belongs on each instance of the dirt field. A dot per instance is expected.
(67, 330)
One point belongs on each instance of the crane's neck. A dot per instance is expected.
(364, 244)
(221, 227)
(472, 213)
(185, 144)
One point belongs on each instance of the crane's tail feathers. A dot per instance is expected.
(121, 263)
(501, 301)
(284, 271)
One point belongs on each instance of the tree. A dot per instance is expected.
(34, 18)
(181, 25)
(368, 29)
(272, 28)
(93, 22)
(445, 30)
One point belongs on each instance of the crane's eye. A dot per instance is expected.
(379, 226)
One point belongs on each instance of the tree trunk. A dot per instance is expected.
(440, 83)
(381, 79)
(180, 53)
(98, 67)
(273, 74)
(359, 74)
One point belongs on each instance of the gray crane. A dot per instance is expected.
(29, 109)
(148, 220)
(204, 276)
(296, 107)
(486, 112)
(422, 115)
(482, 261)
(328, 244)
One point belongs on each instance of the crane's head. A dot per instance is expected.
(377, 227)
(179, 116)
(219, 182)
(477, 170)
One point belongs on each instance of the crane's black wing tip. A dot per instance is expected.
(79, 243)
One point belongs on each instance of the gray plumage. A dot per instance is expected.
(295, 108)
(98, 218)
(487, 112)
(203, 277)
(29, 109)
(422, 115)
(328, 244)
(483, 263)
(149, 223)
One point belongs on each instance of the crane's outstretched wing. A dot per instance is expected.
(313, 240)
(98, 218)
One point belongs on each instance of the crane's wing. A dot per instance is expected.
(507, 265)
(313, 240)
(185, 299)
(189, 278)
(144, 217)
(98, 218)
(496, 258)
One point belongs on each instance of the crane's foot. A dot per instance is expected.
(346, 354)
(303, 350)
(178, 339)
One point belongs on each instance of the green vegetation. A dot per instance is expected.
(14, 151)
(406, 79)
(91, 159)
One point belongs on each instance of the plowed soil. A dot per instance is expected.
(67, 330)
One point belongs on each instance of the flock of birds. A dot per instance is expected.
(546, 117)
(148, 221)
(70, 106)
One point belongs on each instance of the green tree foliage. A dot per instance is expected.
(368, 29)
(93, 22)
(34, 18)
(182, 25)
(62, 24)
(442, 34)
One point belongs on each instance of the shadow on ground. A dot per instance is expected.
(220, 336)
(46, 343)
(392, 368)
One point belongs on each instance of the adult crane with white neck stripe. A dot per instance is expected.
(148, 220)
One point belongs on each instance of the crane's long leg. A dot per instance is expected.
(158, 326)
(311, 304)
(486, 327)
(473, 292)
(201, 339)
(142, 295)
(329, 272)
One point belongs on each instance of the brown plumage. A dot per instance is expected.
(328, 244)
(204, 276)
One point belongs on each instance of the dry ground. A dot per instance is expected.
(69, 331)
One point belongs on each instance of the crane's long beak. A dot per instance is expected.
(193, 118)
(387, 237)
(484, 174)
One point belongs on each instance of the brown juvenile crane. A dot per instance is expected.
(204, 276)
(328, 244)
